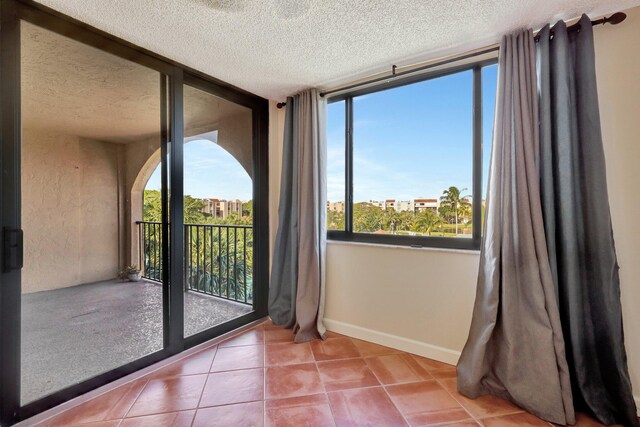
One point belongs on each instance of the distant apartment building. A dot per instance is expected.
(335, 206)
(218, 208)
(415, 205)
(420, 205)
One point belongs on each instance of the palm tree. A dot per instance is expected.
(452, 199)
(426, 221)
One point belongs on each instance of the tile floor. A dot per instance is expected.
(261, 378)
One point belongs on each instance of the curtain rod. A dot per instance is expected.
(614, 19)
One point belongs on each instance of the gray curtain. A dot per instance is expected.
(296, 294)
(515, 348)
(578, 224)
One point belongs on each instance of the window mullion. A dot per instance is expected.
(477, 156)
(348, 218)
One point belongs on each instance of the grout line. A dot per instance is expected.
(146, 382)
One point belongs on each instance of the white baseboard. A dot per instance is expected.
(430, 351)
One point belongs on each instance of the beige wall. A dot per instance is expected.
(69, 210)
(618, 71)
(421, 299)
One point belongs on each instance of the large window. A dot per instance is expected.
(406, 161)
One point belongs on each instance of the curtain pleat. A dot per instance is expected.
(515, 348)
(296, 294)
(578, 224)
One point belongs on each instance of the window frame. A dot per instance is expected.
(473, 243)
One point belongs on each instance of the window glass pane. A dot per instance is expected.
(489, 85)
(335, 165)
(413, 159)
(218, 210)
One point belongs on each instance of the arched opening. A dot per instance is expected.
(217, 188)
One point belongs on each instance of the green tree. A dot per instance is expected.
(367, 218)
(453, 205)
(426, 221)
(193, 210)
(152, 208)
(335, 220)
(395, 221)
(247, 209)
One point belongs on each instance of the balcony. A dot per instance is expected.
(128, 315)
(218, 258)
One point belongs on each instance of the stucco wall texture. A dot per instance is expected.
(69, 210)
(81, 199)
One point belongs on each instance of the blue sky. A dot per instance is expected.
(410, 142)
(210, 172)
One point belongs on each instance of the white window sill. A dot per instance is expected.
(402, 247)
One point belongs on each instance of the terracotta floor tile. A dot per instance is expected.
(521, 419)
(240, 415)
(320, 383)
(482, 407)
(278, 335)
(457, 417)
(364, 407)
(583, 420)
(314, 415)
(311, 410)
(243, 357)
(287, 354)
(223, 388)
(459, 424)
(172, 419)
(294, 402)
(397, 368)
(331, 335)
(426, 402)
(108, 406)
(112, 423)
(198, 363)
(346, 373)
(368, 349)
(338, 348)
(430, 364)
(450, 372)
(292, 380)
(169, 395)
(251, 337)
(269, 325)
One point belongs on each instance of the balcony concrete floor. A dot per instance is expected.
(75, 333)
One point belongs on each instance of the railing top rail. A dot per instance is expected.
(201, 225)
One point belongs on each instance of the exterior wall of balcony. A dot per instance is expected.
(70, 210)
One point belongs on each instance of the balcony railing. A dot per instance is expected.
(218, 258)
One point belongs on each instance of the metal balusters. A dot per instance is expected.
(222, 268)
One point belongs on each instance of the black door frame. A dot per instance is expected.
(174, 75)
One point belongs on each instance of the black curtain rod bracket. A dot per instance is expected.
(281, 104)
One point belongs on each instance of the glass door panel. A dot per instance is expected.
(218, 210)
(92, 214)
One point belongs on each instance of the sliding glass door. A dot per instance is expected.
(91, 131)
(218, 210)
(133, 208)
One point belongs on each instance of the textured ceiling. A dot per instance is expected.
(276, 47)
